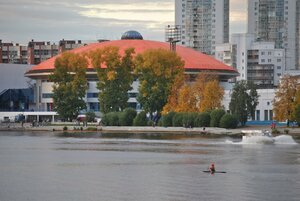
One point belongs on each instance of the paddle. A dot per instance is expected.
(207, 171)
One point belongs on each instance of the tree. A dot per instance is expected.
(157, 70)
(70, 85)
(186, 102)
(115, 77)
(212, 96)
(244, 100)
(205, 94)
(286, 99)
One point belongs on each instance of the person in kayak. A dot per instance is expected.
(212, 168)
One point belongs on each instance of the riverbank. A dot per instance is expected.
(148, 129)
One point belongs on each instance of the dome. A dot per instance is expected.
(194, 61)
(132, 35)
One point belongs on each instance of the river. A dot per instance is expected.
(47, 167)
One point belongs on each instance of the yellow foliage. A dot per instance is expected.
(286, 98)
(111, 75)
(212, 96)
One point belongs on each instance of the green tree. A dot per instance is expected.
(70, 85)
(158, 71)
(115, 77)
(244, 100)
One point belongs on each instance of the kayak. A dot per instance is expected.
(207, 171)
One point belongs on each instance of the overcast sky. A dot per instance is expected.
(42, 20)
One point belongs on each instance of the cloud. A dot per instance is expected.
(22, 20)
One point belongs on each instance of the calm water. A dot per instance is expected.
(60, 168)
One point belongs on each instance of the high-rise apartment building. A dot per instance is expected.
(256, 61)
(204, 23)
(277, 21)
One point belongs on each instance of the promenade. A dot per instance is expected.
(147, 129)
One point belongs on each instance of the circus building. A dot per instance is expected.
(195, 62)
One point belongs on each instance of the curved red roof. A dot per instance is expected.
(194, 60)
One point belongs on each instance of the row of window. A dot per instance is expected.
(89, 95)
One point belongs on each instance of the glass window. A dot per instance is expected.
(258, 115)
(266, 115)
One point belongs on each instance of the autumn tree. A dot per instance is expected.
(244, 100)
(286, 99)
(115, 77)
(205, 94)
(70, 85)
(158, 71)
(186, 102)
(212, 96)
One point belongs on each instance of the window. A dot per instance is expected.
(266, 115)
(92, 95)
(263, 60)
(47, 95)
(269, 60)
(270, 115)
(258, 115)
(278, 60)
(278, 67)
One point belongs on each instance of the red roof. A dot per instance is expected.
(194, 60)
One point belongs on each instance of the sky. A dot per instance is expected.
(89, 20)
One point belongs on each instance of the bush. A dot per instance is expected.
(189, 119)
(65, 128)
(178, 120)
(111, 119)
(215, 117)
(90, 116)
(127, 116)
(140, 119)
(91, 129)
(167, 120)
(228, 121)
(275, 131)
(202, 119)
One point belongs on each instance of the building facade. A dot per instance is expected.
(277, 21)
(204, 23)
(35, 52)
(256, 61)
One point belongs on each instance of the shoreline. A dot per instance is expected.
(207, 131)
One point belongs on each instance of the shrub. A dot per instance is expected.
(215, 117)
(178, 120)
(127, 116)
(275, 131)
(188, 119)
(90, 116)
(202, 119)
(111, 119)
(91, 129)
(228, 121)
(140, 119)
(65, 128)
(167, 120)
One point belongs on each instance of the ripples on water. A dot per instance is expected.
(140, 169)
